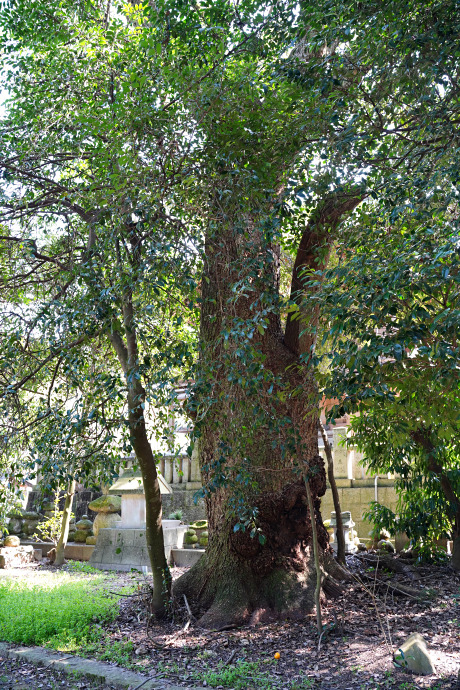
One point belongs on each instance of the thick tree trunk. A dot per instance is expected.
(270, 574)
(255, 408)
(257, 442)
(67, 512)
(456, 548)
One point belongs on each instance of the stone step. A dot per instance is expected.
(76, 666)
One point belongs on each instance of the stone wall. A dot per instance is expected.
(80, 505)
(184, 476)
(356, 488)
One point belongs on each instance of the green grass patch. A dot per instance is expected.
(61, 611)
(244, 674)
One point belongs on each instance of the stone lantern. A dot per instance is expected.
(348, 524)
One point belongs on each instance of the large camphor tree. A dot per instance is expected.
(122, 167)
(217, 133)
(254, 404)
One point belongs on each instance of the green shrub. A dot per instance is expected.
(54, 612)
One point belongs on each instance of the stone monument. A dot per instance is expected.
(124, 546)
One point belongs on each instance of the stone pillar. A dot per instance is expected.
(341, 454)
(195, 473)
(177, 468)
(358, 469)
(168, 471)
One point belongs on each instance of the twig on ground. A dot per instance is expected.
(319, 641)
(189, 610)
(401, 589)
(374, 602)
(230, 659)
(141, 684)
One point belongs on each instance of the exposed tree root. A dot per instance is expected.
(231, 594)
(390, 563)
(223, 595)
(331, 588)
(334, 569)
(398, 588)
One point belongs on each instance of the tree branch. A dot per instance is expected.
(313, 253)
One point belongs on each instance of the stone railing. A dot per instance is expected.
(181, 471)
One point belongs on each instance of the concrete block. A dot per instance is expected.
(139, 538)
(129, 538)
(131, 554)
(362, 483)
(45, 546)
(116, 555)
(79, 552)
(184, 558)
(193, 486)
(103, 537)
(343, 482)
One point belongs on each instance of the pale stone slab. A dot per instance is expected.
(413, 654)
(114, 676)
(184, 558)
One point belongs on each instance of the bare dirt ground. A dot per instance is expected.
(364, 626)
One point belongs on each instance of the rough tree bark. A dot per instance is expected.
(67, 512)
(258, 432)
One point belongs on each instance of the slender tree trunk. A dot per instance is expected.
(319, 620)
(67, 512)
(335, 496)
(128, 356)
(153, 506)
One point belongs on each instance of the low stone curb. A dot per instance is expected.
(96, 670)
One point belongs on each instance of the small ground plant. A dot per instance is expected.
(244, 674)
(56, 612)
